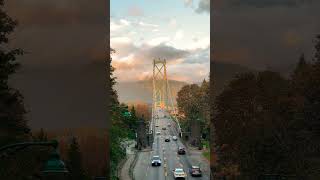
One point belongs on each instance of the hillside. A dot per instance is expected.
(73, 96)
(141, 91)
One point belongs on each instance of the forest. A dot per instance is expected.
(265, 123)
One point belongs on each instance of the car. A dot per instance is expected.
(158, 133)
(195, 171)
(174, 138)
(169, 125)
(181, 150)
(155, 161)
(157, 125)
(179, 173)
(164, 128)
(167, 139)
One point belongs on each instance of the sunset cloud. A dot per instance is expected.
(140, 40)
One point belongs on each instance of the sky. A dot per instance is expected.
(175, 30)
(265, 34)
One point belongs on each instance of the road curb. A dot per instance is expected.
(133, 164)
(120, 166)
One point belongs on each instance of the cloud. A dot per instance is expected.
(125, 22)
(179, 35)
(200, 43)
(188, 3)
(136, 62)
(166, 52)
(135, 11)
(203, 6)
(173, 22)
(123, 46)
(199, 56)
(189, 72)
(158, 40)
(116, 26)
(143, 24)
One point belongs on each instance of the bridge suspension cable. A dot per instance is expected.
(162, 95)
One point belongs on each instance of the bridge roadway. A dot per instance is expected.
(168, 154)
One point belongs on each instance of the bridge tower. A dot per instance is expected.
(162, 97)
(160, 84)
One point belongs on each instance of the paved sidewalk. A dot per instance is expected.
(125, 169)
(130, 153)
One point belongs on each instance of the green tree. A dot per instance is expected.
(13, 126)
(74, 161)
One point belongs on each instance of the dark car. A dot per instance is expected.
(181, 150)
(167, 139)
(164, 128)
(195, 171)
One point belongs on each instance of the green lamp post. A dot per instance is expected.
(55, 168)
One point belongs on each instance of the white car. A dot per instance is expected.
(158, 132)
(156, 161)
(174, 138)
(179, 173)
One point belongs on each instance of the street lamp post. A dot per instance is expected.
(54, 168)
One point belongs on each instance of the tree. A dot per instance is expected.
(205, 106)
(193, 102)
(74, 161)
(13, 126)
(254, 125)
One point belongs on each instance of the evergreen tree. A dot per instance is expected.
(13, 126)
(74, 161)
(134, 118)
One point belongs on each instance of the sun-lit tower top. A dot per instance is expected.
(160, 87)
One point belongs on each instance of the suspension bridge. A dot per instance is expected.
(162, 95)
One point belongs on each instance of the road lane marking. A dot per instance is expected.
(181, 165)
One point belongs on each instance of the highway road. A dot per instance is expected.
(168, 154)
